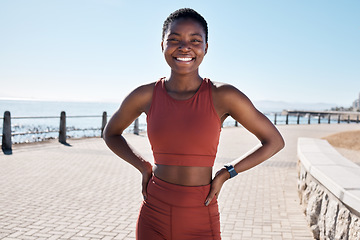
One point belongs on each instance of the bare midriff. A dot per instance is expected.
(183, 175)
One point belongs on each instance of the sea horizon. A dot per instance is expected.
(265, 106)
(79, 124)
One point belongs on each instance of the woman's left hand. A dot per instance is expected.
(220, 177)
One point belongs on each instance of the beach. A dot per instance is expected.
(347, 144)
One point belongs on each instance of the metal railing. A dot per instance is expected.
(62, 131)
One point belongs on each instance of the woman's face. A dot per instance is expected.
(184, 46)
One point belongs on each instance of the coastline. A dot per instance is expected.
(336, 140)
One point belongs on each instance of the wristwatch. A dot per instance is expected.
(231, 170)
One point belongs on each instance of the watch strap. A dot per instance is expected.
(230, 168)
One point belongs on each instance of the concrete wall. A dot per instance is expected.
(329, 190)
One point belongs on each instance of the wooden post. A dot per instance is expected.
(298, 119)
(136, 126)
(348, 119)
(309, 118)
(62, 128)
(319, 119)
(339, 118)
(103, 124)
(275, 119)
(357, 119)
(6, 144)
(236, 123)
(287, 119)
(329, 118)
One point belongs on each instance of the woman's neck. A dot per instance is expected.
(186, 82)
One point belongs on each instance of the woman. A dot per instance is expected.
(184, 117)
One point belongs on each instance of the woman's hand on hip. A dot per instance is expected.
(146, 176)
(220, 177)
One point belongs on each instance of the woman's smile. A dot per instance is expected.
(184, 59)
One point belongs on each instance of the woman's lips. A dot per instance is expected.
(184, 59)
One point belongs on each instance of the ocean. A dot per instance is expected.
(40, 129)
(76, 127)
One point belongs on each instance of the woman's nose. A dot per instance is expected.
(184, 45)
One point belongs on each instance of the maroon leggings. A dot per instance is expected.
(175, 212)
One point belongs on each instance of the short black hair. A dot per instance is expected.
(185, 13)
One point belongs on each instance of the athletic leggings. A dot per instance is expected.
(175, 212)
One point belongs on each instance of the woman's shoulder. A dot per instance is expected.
(140, 98)
(142, 93)
(144, 90)
(230, 100)
(221, 90)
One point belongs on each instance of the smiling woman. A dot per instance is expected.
(184, 116)
(184, 46)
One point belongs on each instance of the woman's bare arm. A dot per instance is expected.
(230, 101)
(133, 105)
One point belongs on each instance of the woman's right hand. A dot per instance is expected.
(146, 176)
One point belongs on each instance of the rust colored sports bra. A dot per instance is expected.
(183, 132)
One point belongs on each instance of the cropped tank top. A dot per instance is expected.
(183, 132)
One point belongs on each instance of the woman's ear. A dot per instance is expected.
(206, 48)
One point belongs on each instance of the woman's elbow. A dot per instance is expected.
(280, 143)
(106, 134)
(275, 143)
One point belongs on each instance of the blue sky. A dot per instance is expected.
(294, 51)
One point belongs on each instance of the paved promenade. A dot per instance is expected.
(83, 191)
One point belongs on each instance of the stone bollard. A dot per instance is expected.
(62, 128)
(136, 126)
(275, 119)
(104, 122)
(6, 144)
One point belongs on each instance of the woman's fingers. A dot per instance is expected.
(146, 176)
(213, 192)
(220, 177)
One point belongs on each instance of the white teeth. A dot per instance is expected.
(184, 59)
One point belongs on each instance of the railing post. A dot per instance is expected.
(103, 124)
(62, 128)
(348, 119)
(339, 118)
(236, 123)
(275, 119)
(329, 118)
(319, 118)
(287, 119)
(136, 126)
(309, 118)
(357, 119)
(6, 144)
(298, 119)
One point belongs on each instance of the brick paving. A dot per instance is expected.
(83, 191)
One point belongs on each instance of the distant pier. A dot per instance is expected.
(341, 115)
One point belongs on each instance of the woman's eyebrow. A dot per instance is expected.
(192, 34)
(196, 34)
(174, 33)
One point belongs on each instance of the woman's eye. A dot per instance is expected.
(172, 40)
